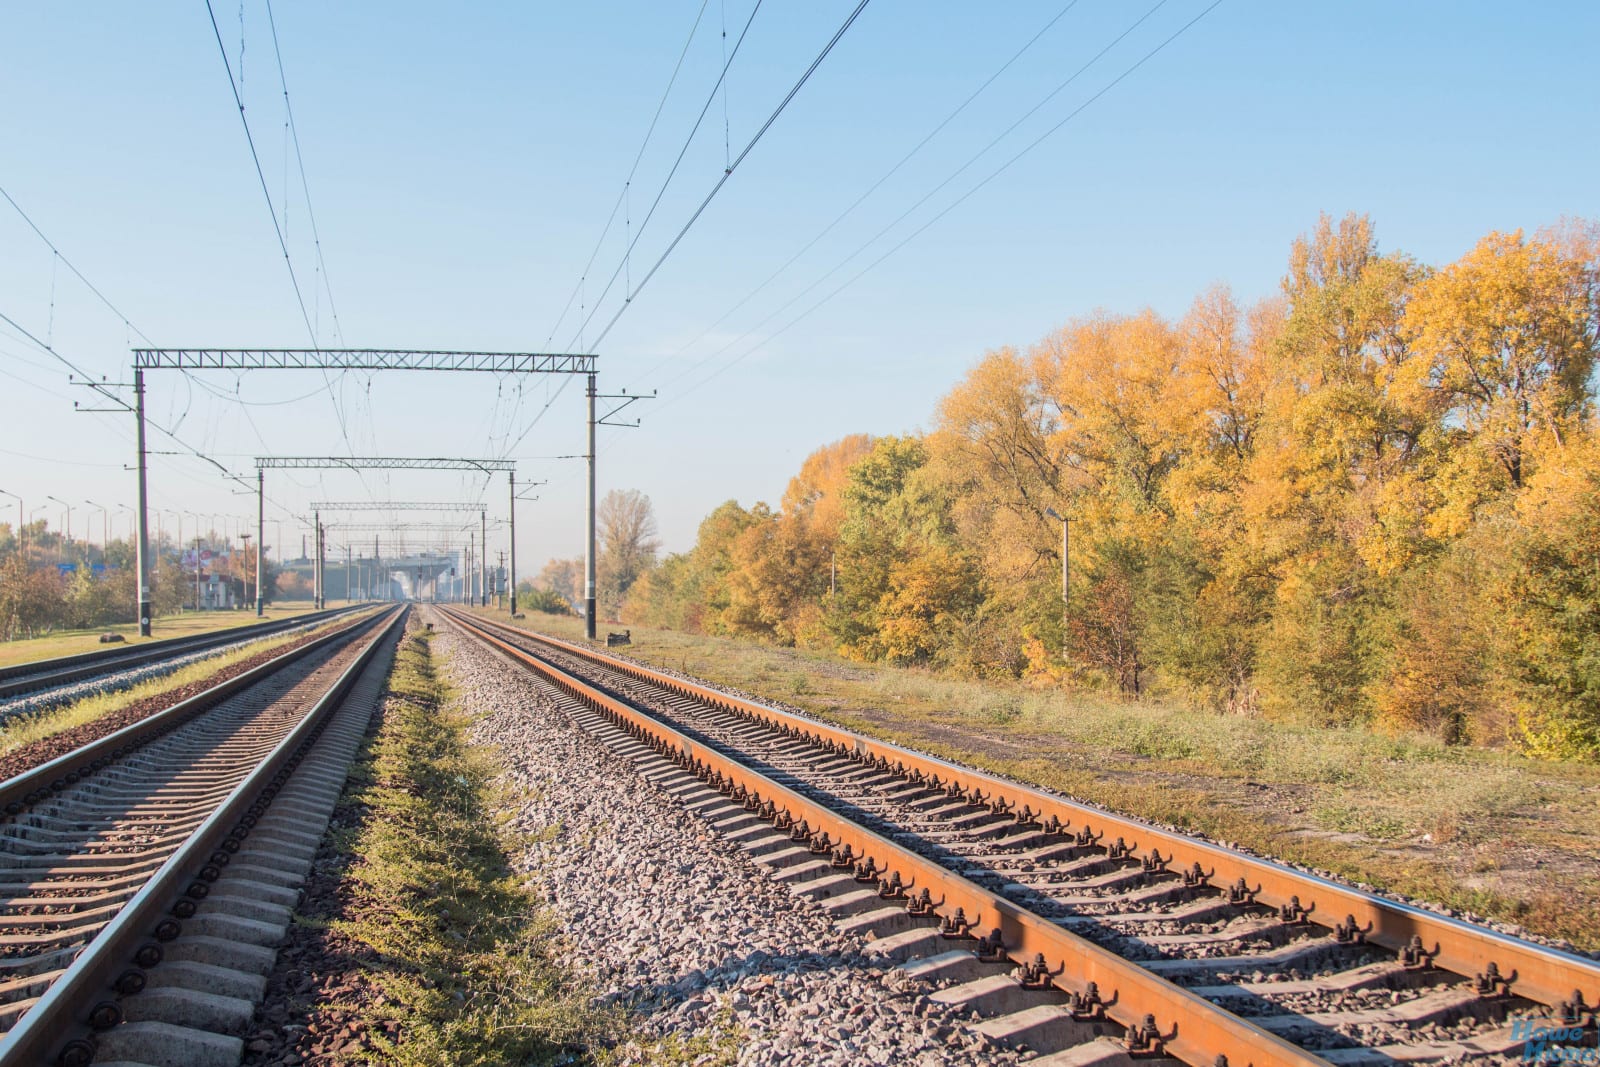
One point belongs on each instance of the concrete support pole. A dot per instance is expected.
(142, 549)
(589, 545)
(513, 576)
(261, 539)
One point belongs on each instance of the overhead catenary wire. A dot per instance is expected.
(729, 170)
(305, 185)
(634, 169)
(929, 195)
(277, 229)
(874, 187)
(671, 173)
(1126, 73)
(70, 266)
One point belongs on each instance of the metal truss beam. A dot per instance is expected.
(362, 359)
(399, 527)
(404, 463)
(394, 505)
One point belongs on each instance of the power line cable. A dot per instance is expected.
(891, 172)
(69, 265)
(305, 185)
(728, 172)
(623, 193)
(955, 203)
(689, 140)
(277, 229)
(929, 195)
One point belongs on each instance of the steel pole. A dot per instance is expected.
(142, 547)
(261, 538)
(513, 575)
(483, 560)
(588, 559)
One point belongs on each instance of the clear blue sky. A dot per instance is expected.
(461, 167)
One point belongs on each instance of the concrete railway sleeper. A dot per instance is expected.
(1348, 989)
(145, 878)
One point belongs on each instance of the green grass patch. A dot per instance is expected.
(471, 965)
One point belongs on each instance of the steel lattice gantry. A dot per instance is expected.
(393, 505)
(356, 463)
(383, 463)
(361, 359)
(369, 359)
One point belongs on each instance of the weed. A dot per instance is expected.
(473, 963)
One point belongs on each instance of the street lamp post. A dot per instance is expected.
(68, 523)
(21, 526)
(104, 525)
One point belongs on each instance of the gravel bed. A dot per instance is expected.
(118, 681)
(678, 925)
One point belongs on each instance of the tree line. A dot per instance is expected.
(38, 596)
(1372, 497)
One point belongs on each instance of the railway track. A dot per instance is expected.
(42, 676)
(145, 877)
(1059, 920)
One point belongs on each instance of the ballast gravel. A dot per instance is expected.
(678, 925)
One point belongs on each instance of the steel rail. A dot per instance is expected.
(21, 791)
(1536, 972)
(114, 962)
(22, 678)
(1192, 1029)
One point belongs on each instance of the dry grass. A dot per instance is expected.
(71, 642)
(1488, 831)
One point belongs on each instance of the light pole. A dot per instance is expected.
(246, 539)
(1065, 571)
(21, 544)
(124, 507)
(104, 526)
(196, 517)
(68, 523)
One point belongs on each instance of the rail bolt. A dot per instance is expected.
(167, 930)
(79, 1052)
(183, 908)
(129, 982)
(149, 954)
(105, 1015)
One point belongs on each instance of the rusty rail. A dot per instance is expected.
(1192, 1029)
(1538, 973)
